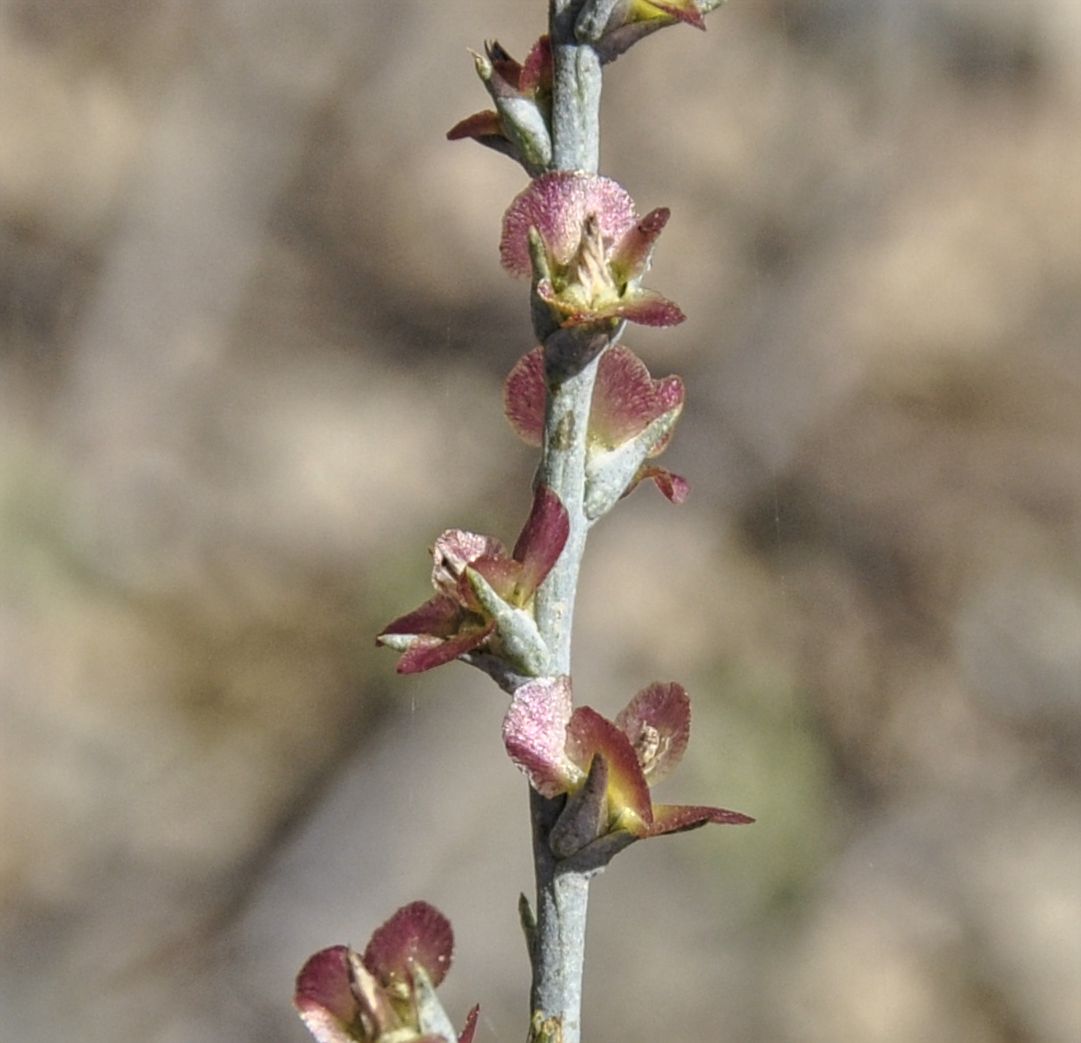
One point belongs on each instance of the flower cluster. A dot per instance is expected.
(587, 250)
(630, 421)
(563, 750)
(485, 595)
(386, 995)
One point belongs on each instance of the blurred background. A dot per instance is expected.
(252, 336)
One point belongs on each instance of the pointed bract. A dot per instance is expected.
(678, 818)
(432, 1021)
(438, 618)
(466, 1035)
(436, 633)
(672, 486)
(584, 817)
(631, 255)
(479, 126)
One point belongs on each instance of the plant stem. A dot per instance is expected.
(558, 948)
(559, 941)
(576, 91)
(562, 469)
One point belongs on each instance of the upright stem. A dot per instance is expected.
(562, 469)
(558, 947)
(559, 940)
(576, 91)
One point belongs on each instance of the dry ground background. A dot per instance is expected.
(252, 334)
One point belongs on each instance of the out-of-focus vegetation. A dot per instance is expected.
(252, 333)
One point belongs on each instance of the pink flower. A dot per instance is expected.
(557, 748)
(631, 420)
(485, 594)
(592, 252)
(386, 994)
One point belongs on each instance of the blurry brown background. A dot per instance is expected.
(252, 335)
